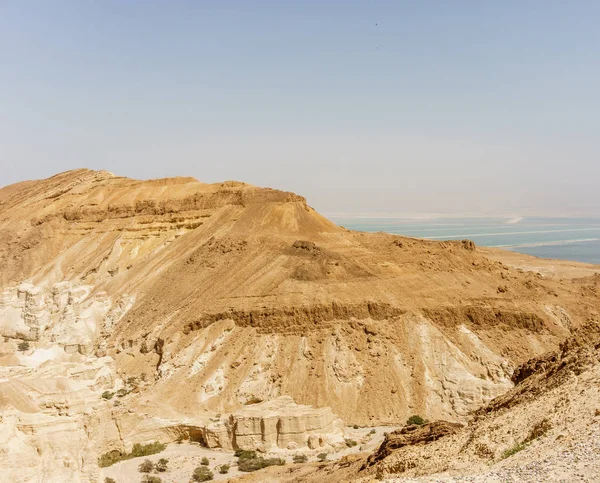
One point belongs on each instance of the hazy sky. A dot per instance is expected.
(361, 106)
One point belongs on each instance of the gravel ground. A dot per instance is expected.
(580, 462)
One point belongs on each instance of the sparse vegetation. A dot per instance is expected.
(350, 442)
(109, 480)
(515, 449)
(205, 461)
(147, 449)
(322, 457)
(146, 467)
(372, 431)
(23, 346)
(161, 465)
(300, 458)
(248, 461)
(107, 395)
(151, 479)
(224, 469)
(355, 426)
(416, 419)
(112, 457)
(202, 473)
(122, 392)
(244, 454)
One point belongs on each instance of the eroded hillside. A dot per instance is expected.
(216, 297)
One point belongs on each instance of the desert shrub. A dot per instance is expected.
(515, 449)
(122, 392)
(416, 419)
(224, 469)
(146, 466)
(372, 431)
(151, 479)
(109, 480)
(109, 459)
(355, 426)
(350, 442)
(205, 461)
(147, 449)
(107, 395)
(539, 430)
(322, 456)
(244, 454)
(161, 465)
(23, 346)
(132, 381)
(300, 458)
(112, 457)
(253, 464)
(483, 451)
(202, 473)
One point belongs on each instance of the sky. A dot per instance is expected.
(479, 106)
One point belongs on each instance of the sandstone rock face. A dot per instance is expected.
(280, 423)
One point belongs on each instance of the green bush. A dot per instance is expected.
(300, 458)
(23, 346)
(224, 469)
(322, 456)
(418, 420)
(350, 442)
(161, 466)
(147, 449)
(146, 467)
(253, 464)
(205, 461)
(112, 457)
(244, 454)
(202, 473)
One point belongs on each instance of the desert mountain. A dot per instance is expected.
(204, 300)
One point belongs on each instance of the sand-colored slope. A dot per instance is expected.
(374, 325)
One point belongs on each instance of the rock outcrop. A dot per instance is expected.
(412, 435)
(279, 423)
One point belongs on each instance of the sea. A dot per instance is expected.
(575, 239)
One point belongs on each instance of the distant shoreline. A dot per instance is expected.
(547, 237)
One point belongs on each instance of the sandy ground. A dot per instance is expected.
(185, 457)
